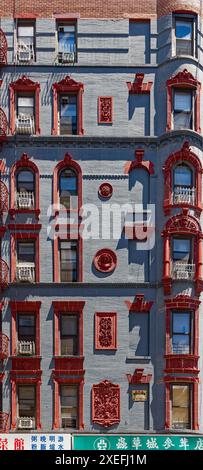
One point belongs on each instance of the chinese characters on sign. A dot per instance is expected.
(35, 442)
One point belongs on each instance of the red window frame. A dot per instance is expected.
(182, 224)
(24, 307)
(173, 380)
(57, 380)
(24, 236)
(24, 85)
(184, 155)
(68, 307)
(15, 380)
(183, 80)
(24, 162)
(68, 86)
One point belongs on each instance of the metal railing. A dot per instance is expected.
(25, 200)
(183, 271)
(185, 195)
(25, 124)
(25, 273)
(4, 346)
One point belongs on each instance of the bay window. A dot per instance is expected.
(182, 333)
(69, 330)
(185, 36)
(68, 261)
(183, 115)
(181, 406)
(69, 406)
(66, 43)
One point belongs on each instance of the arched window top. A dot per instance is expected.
(25, 179)
(183, 175)
(67, 183)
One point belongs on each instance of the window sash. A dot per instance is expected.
(26, 331)
(26, 403)
(182, 337)
(69, 404)
(181, 251)
(26, 252)
(69, 335)
(68, 114)
(68, 261)
(183, 176)
(181, 406)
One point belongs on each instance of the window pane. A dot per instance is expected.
(26, 31)
(69, 325)
(184, 29)
(181, 344)
(25, 175)
(26, 320)
(182, 176)
(26, 252)
(26, 392)
(181, 323)
(181, 245)
(68, 114)
(183, 101)
(181, 396)
(26, 101)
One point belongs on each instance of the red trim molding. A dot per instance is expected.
(105, 260)
(138, 86)
(68, 85)
(183, 155)
(68, 307)
(185, 80)
(106, 330)
(139, 163)
(24, 162)
(105, 110)
(24, 307)
(15, 380)
(25, 85)
(170, 380)
(182, 224)
(57, 380)
(139, 378)
(139, 305)
(106, 404)
(25, 236)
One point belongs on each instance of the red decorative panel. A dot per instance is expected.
(105, 190)
(3, 48)
(138, 86)
(105, 330)
(30, 364)
(3, 125)
(183, 363)
(139, 378)
(25, 85)
(68, 85)
(139, 163)
(105, 260)
(4, 417)
(4, 273)
(140, 304)
(4, 346)
(105, 104)
(3, 197)
(69, 365)
(183, 155)
(106, 404)
(183, 79)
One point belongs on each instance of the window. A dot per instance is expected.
(181, 333)
(69, 406)
(182, 250)
(25, 266)
(26, 334)
(68, 261)
(25, 189)
(25, 114)
(68, 188)
(181, 406)
(26, 401)
(184, 31)
(25, 41)
(69, 335)
(66, 43)
(183, 190)
(183, 109)
(67, 114)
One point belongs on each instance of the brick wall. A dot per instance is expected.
(164, 7)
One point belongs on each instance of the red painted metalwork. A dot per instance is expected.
(4, 346)
(3, 48)
(3, 197)
(4, 417)
(4, 271)
(106, 404)
(3, 125)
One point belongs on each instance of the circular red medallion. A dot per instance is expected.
(105, 190)
(105, 260)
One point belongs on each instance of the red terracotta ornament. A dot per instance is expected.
(105, 190)
(106, 404)
(105, 260)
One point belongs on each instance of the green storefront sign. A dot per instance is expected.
(137, 442)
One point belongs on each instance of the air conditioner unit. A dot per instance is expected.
(24, 55)
(66, 57)
(26, 423)
(26, 348)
